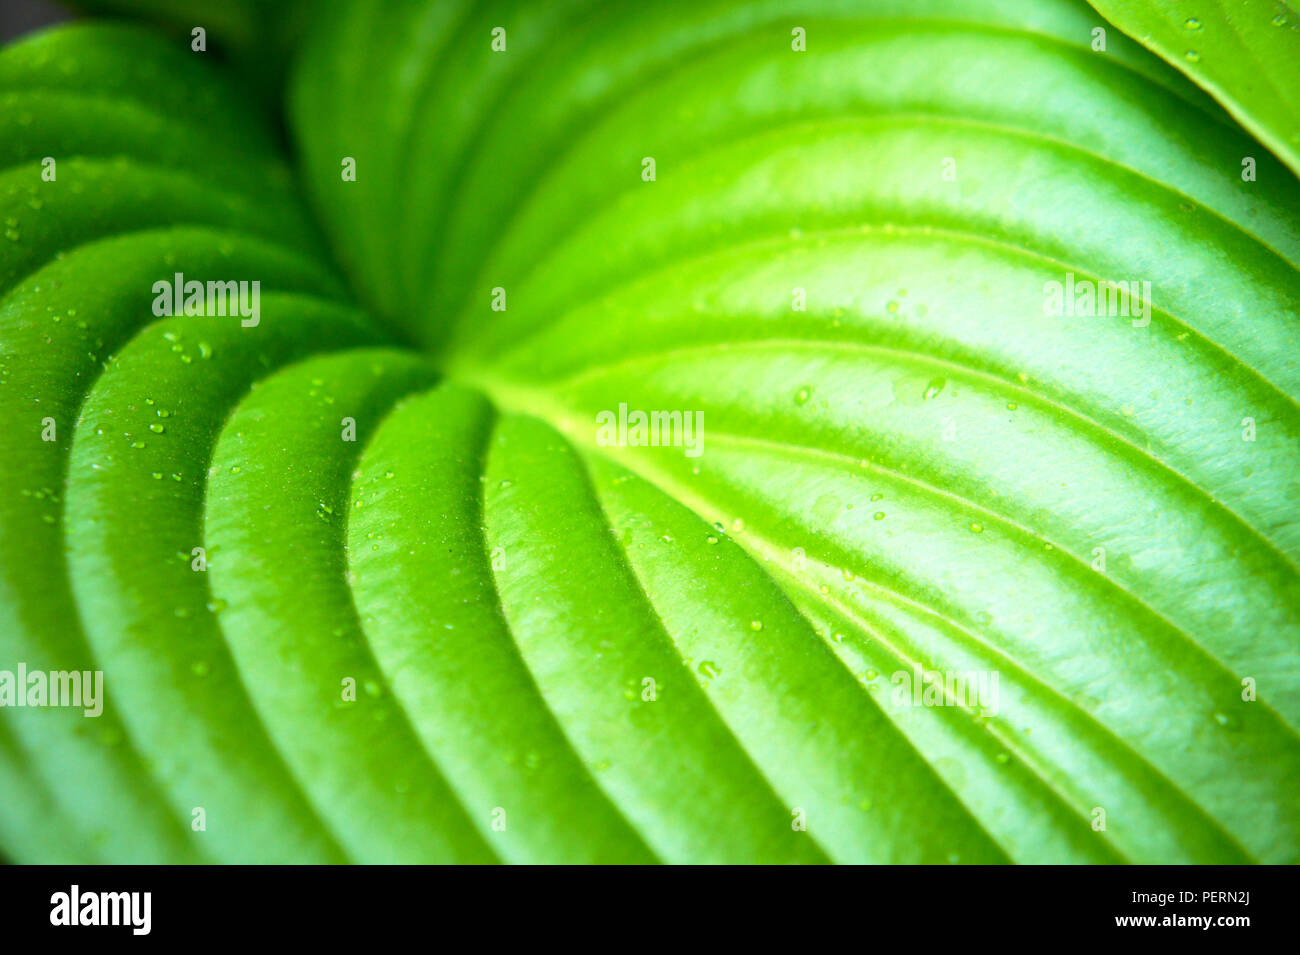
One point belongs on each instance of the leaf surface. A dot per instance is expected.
(567, 646)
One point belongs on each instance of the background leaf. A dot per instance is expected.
(257, 36)
(1243, 51)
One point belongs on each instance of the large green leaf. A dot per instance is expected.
(143, 187)
(567, 649)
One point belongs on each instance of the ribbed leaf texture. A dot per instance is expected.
(569, 647)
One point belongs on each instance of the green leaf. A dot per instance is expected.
(446, 614)
(1242, 51)
(81, 254)
(258, 36)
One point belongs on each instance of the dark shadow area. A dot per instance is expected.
(23, 16)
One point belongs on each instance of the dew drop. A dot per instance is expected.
(755, 625)
(933, 388)
(1226, 721)
(801, 396)
(1192, 23)
(1192, 56)
(879, 516)
(708, 669)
